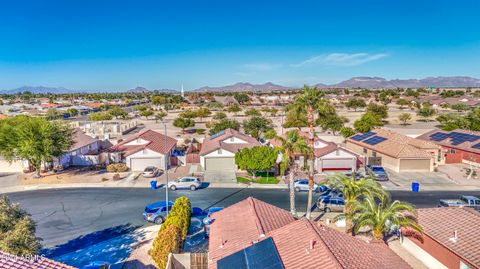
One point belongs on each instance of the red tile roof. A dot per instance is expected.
(9, 261)
(238, 225)
(441, 223)
(156, 142)
(215, 142)
(447, 142)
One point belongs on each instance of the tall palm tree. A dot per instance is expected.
(310, 99)
(384, 215)
(352, 191)
(292, 144)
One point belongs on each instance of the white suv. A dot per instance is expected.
(192, 183)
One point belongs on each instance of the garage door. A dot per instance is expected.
(414, 165)
(342, 164)
(220, 164)
(139, 164)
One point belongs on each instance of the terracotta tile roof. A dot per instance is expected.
(216, 141)
(9, 261)
(441, 223)
(156, 142)
(81, 139)
(331, 248)
(399, 146)
(467, 145)
(238, 225)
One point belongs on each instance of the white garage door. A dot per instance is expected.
(139, 164)
(338, 164)
(220, 164)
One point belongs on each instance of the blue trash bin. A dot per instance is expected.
(153, 184)
(415, 186)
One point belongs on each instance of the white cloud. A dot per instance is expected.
(341, 59)
(261, 66)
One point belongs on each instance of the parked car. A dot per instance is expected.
(464, 200)
(331, 203)
(192, 183)
(157, 212)
(302, 185)
(97, 265)
(357, 175)
(151, 171)
(378, 172)
(208, 220)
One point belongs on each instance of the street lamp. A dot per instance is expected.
(166, 165)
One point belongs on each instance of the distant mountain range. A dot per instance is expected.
(355, 82)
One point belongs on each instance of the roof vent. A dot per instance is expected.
(262, 235)
(312, 243)
(455, 237)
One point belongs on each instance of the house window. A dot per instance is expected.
(453, 151)
(365, 150)
(374, 154)
(219, 151)
(232, 139)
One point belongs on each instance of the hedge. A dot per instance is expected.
(172, 232)
(117, 167)
(167, 241)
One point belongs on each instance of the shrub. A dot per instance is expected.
(117, 167)
(167, 241)
(180, 215)
(116, 177)
(200, 131)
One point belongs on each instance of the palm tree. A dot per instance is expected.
(310, 99)
(353, 190)
(381, 217)
(292, 144)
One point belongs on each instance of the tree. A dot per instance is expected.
(355, 103)
(252, 112)
(223, 125)
(203, 112)
(241, 97)
(367, 122)
(72, 112)
(380, 110)
(270, 134)
(17, 230)
(403, 102)
(404, 117)
(160, 116)
(235, 108)
(347, 132)
(256, 159)
(296, 116)
(117, 111)
(219, 116)
(34, 139)
(460, 107)
(352, 190)
(382, 217)
(53, 114)
(183, 123)
(311, 99)
(99, 116)
(328, 119)
(256, 126)
(473, 118)
(292, 144)
(146, 113)
(188, 114)
(426, 111)
(141, 107)
(451, 122)
(273, 111)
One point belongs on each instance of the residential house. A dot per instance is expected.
(226, 100)
(147, 148)
(395, 151)
(217, 154)
(458, 146)
(450, 238)
(269, 237)
(84, 152)
(329, 156)
(11, 261)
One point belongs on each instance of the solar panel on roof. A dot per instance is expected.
(476, 146)
(260, 255)
(374, 140)
(360, 137)
(217, 134)
(438, 136)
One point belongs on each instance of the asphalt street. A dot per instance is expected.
(63, 215)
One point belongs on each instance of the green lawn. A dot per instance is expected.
(260, 180)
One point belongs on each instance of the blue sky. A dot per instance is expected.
(117, 45)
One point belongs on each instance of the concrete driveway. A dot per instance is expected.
(426, 179)
(9, 179)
